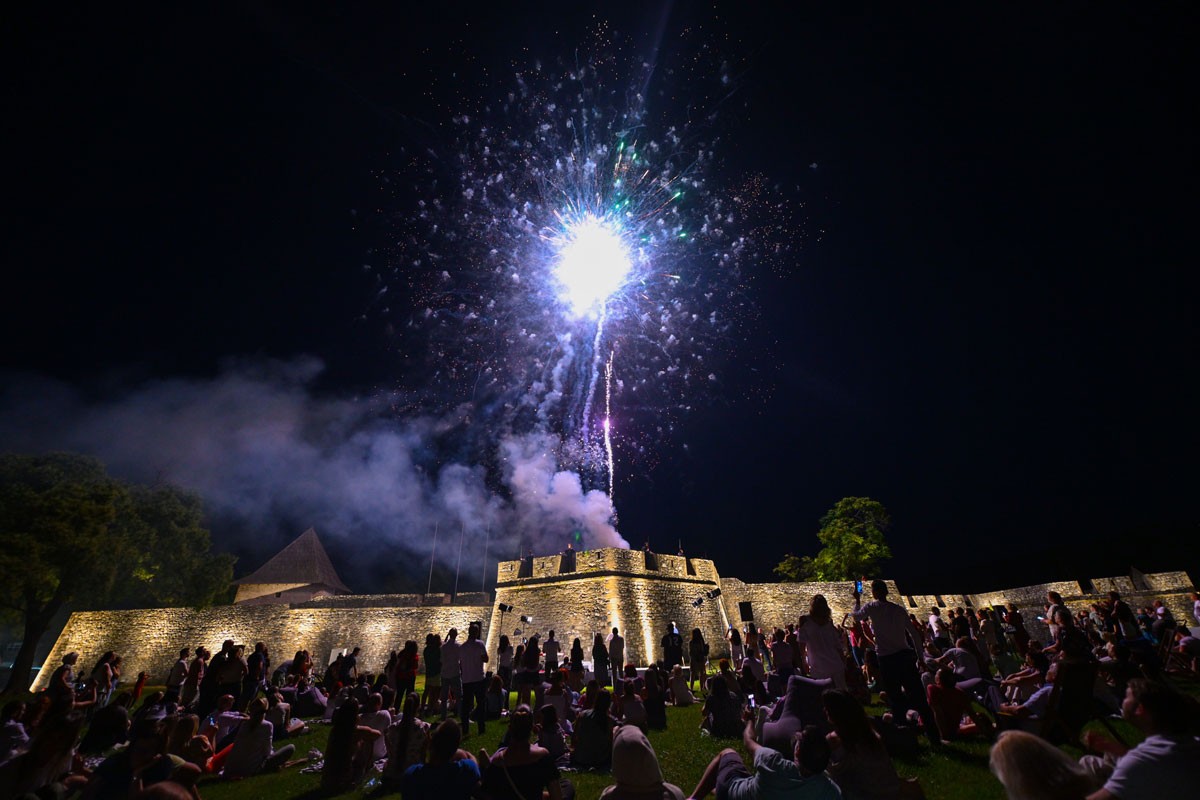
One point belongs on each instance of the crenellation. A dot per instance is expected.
(609, 587)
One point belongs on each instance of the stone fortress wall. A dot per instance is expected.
(574, 594)
(150, 639)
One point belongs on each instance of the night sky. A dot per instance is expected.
(987, 321)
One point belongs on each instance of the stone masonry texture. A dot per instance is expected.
(637, 592)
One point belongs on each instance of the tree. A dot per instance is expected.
(74, 535)
(171, 562)
(853, 545)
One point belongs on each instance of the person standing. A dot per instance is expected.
(550, 651)
(825, 643)
(897, 657)
(472, 655)
(176, 677)
(672, 644)
(697, 659)
(616, 650)
(600, 660)
(451, 672)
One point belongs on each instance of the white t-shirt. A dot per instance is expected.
(470, 656)
(379, 720)
(966, 666)
(251, 749)
(1158, 767)
(824, 647)
(890, 624)
(227, 723)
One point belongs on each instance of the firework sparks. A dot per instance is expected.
(575, 223)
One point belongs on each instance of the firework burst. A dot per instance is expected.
(567, 270)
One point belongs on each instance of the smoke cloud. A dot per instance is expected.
(271, 457)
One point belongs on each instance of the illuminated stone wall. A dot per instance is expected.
(149, 639)
(608, 588)
(629, 589)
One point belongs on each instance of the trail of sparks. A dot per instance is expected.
(490, 255)
(608, 448)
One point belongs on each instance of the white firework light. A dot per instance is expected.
(572, 245)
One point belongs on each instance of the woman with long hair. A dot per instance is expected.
(348, 751)
(860, 764)
(600, 664)
(697, 660)
(737, 652)
(522, 769)
(720, 715)
(1030, 768)
(592, 738)
(825, 643)
(407, 741)
(575, 673)
(529, 675)
(504, 661)
(407, 661)
(101, 677)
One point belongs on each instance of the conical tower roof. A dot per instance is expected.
(304, 561)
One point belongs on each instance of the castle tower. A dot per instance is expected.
(298, 573)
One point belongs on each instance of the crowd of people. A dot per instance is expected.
(796, 696)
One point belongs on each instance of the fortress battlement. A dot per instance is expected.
(578, 594)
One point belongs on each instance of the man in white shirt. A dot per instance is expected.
(472, 655)
(1165, 764)
(176, 677)
(451, 672)
(376, 717)
(551, 652)
(897, 657)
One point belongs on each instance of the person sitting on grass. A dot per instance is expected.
(222, 725)
(591, 745)
(775, 775)
(348, 751)
(49, 767)
(374, 715)
(554, 735)
(950, 704)
(633, 710)
(495, 700)
(677, 688)
(635, 769)
(719, 717)
(1168, 759)
(1030, 768)
(655, 698)
(125, 773)
(859, 763)
(279, 714)
(451, 773)
(253, 749)
(407, 740)
(799, 708)
(1019, 685)
(1028, 715)
(522, 769)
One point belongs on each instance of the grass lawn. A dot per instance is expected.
(958, 770)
